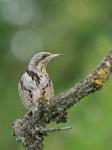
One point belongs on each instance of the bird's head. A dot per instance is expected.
(41, 60)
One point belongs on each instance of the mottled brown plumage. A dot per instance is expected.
(35, 84)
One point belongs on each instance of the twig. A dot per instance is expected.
(56, 129)
(25, 130)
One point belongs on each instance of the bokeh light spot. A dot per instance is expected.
(24, 44)
(17, 12)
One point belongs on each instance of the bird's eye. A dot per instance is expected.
(45, 56)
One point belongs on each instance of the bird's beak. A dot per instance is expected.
(54, 55)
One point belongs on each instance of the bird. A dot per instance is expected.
(35, 85)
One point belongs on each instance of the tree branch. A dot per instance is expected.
(31, 130)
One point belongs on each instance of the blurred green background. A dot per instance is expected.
(81, 30)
